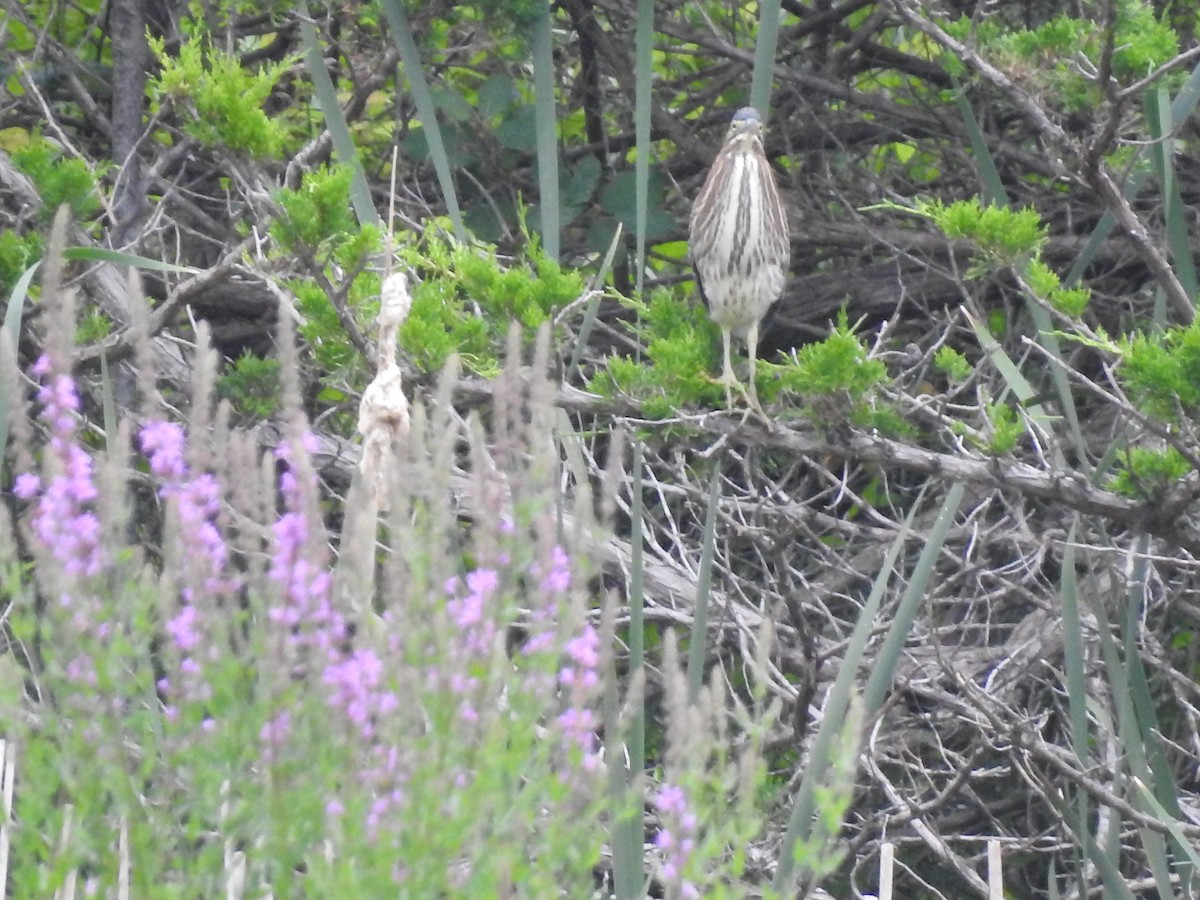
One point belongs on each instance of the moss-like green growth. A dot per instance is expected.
(17, 253)
(58, 180)
(680, 342)
(441, 323)
(251, 385)
(1146, 472)
(838, 382)
(1006, 236)
(222, 100)
(467, 296)
(1046, 59)
(94, 326)
(1161, 372)
(317, 215)
(1005, 429)
(954, 364)
(835, 367)
(317, 224)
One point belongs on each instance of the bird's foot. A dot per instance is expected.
(729, 381)
(748, 394)
(752, 405)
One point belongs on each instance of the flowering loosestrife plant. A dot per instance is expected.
(238, 707)
(676, 839)
(64, 523)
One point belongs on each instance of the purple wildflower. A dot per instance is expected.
(558, 576)
(196, 500)
(26, 485)
(472, 615)
(584, 652)
(274, 734)
(356, 687)
(580, 684)
(163, 444)
(676, 837)
(182, 629)
(62, 521)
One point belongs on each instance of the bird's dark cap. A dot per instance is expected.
(747, 114)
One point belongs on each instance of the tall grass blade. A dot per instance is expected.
(1139, 683)
(1187, 846)
(1076, 684)
(1122, 679)
(644, 74)
(1181, 108)
(108, 402)
(1019, 384)
(410, 58)
(697, 649)
(102, 254)
(593, 307)
(906, 613)
(994, 193)
(1052, 891)
(836, 706)
(989, 175)
(12, 334)
(1157, 764)
(1106, 864)
(8, 771)
(628, 831)
(1162, 155)
(763, 78)
(637, 625)
(546, 126)
(335, 120)
(1073, 655)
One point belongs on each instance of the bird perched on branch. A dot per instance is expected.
(738, 242)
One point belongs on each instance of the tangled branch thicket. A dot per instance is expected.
(974, 741)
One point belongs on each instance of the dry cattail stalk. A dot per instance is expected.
(383, 414)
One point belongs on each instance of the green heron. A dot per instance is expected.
(738, 242)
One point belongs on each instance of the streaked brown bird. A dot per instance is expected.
(738, 242)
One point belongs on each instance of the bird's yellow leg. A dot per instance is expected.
(752, 392)
(728, 379)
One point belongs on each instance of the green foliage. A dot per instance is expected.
(224, 100)
(1045, 283)
(835, 367)
(1046, 58)
(1143, 42)
(953, 363)
(1070, 301)
(1161, 372)
(1146, 472)
(94, 326)
(318, 214)
(838, 380)
(58, 180)
(251, 385)
(322, 329)
(440, 324)
(17, 253)
(1005, 427)
(317, 224)
(1003, 235)
(681, 351)
(467, 297)
(1006, 238)
(680, 339)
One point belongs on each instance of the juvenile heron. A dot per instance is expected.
(738, 242)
